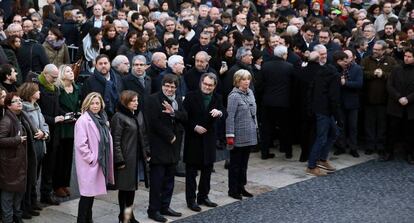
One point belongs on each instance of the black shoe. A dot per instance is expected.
(268, 156)
(288, 156)
(36, 207)
(207, 203)
(386, 157)
(17, 220)
(26, 215)
(194, 207)
(49, 200)
(354, 153)
(34, 213)
(369, 151)
(156, 216)
(339, 151)
(171, 212)
(410, 159)
(245, 193)
(226, 164)
(180, 174)
(236, 196)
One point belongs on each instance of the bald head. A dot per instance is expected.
(159, 59)
(51, 73)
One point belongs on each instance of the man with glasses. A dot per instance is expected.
(325, 38)
(166, 114)
(137, 80)
(204, 108)
(370, 34)
(49, 104)
(241, 25)
(377, 69)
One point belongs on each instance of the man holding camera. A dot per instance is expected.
(377, 68)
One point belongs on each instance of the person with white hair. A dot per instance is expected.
(175, 66)
(323, 53)
(274, 86)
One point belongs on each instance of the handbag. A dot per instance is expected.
(77, 67)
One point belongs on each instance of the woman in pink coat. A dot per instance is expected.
(93, 154)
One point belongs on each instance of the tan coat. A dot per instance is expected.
(57, 57)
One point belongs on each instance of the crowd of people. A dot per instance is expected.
(145, 90)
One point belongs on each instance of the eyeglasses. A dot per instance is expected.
(208, 85)
(17, 101)
(139, 64)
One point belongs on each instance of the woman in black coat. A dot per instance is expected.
(130, 150)
(204, 108)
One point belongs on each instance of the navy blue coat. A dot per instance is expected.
(350, 91)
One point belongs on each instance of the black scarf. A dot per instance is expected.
(100, 121)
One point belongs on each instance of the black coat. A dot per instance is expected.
(130, 148)
(275, 83)
(31, 56)
(70, 32)
(210, 49)
(162, 128)
(153, 72)
(130, 82)
(401, 84)
(201, 149)
(192, 78)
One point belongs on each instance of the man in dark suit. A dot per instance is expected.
(166, 115)
(203, 45)
(137, 80)
(204, 108)
(351, 82)
(274, 84)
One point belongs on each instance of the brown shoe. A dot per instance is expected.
(67, 191)
(316, 172)
(326, 166)
(60, 192)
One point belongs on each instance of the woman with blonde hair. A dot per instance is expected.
(69, 102)
(241, 132)
(93, 154)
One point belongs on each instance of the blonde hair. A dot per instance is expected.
(61, 76)
(88, 100)
(240, 75)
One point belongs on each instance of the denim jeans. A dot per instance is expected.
(326, 133)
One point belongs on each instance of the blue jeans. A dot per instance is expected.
(326, 133)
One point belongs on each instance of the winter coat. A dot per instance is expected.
(57, 56)
(31, 56)
(350, 91)
(34, 112)
(13, 153)
(91, 179)
(375, 87)
(162, 129)
(201, 149)
(130, 148)
(241, 122)
(131, 82)
(401, 84)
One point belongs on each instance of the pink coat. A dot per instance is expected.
(90, 176)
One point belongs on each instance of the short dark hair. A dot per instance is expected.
(9, 97)
(127, 96)
(339, 55)
(170, 79)
(171, 42)
(409, 50)
(186, 24)
(100, 56)
(5, 70)
(56, 32)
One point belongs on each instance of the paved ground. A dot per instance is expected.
(263, 176)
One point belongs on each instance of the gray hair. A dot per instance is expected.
(140, 58)
(156, 56)
(319, 47)
(209, 75)
(174, 59)
(292, 30)
(124, 23)
(204, 54)
(383, 44)
(36, 15)
(371, 26)
(118, 60)
(280, 50)
(313, 56)
(49, 68)
(204, 6)
(169, 19)
(241, 52)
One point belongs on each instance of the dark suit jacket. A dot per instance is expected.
(350, 91)
(201, 149)
(162, 129)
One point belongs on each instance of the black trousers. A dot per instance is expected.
(272, 117)
(400, 129)
(307, 137)
(239, 160)
(203, 184)
(125, 199)
(63, 167)
(48, 166)
(161, 186)
(85, 209)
